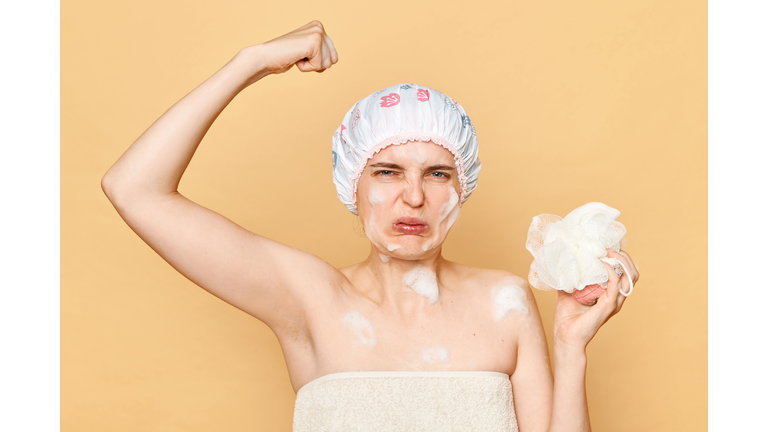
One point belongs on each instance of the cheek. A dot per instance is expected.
(374, 215)
(451, 206)
(375, 197)
(381, 197)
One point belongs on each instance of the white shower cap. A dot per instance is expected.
(397, 115)
(568, 251)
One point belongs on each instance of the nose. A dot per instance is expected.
(413, 194)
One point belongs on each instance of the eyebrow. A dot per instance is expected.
(441, 168)
(386, 165)
(396, 166)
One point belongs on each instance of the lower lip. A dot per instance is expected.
(410, 229)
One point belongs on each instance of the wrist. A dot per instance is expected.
(569, 354)
(249, 65)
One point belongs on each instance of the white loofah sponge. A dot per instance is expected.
(568, 252)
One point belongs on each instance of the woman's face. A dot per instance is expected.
(408, 199)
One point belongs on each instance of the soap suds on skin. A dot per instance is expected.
(393, 247)
(453, 216)
(423, 282)
(508, 298)
(436, 354)
(418, 155)
(450, 205)
(375, 197)
(360, 327)
(384, 258)
(450, 210)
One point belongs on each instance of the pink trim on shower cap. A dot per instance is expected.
(403, 138)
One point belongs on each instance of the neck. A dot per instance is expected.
(405, 284)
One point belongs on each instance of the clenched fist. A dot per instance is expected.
(308, 47)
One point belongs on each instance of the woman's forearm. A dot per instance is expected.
(569, 411)
(155, 162)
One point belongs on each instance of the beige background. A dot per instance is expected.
(573, 102)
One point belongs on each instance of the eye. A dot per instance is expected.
(385, 172)
(438, 174)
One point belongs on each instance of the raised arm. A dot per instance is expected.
(250, 272)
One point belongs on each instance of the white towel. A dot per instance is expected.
(406, 401)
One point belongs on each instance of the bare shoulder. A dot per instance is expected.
(480, 278)
(503, 306)
(500, 294)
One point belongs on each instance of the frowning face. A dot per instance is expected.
(408, 199)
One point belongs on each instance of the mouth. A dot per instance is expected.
(411, 226)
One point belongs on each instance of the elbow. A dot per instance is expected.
(116, 188)
(124, 191)
(109, 185)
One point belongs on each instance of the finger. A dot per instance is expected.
(314, 59)
(317, 58)
(331, 50)
(326, 55)
(628, 263)
(303, 65)
(632, 264)
(623, 286)
(612, 291)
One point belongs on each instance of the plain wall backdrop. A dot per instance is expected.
(572, 101)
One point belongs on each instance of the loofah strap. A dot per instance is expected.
(613, 262)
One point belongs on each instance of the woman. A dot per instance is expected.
(404, 339)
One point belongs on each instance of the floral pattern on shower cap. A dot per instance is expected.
(396, 115)
(390, 100)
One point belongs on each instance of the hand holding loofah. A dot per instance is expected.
(569, 252)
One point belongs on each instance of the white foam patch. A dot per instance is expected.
(384, 258)
(452, 204)
(393, 247)
(436, 354)
(453, 216)
(450, 210)
(360, 327)
(508, 298)
(423, 282)
(375, 197)
(371, 230)
(418, 155)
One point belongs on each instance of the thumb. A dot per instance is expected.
(313, 61)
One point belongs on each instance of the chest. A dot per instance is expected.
(457, 336)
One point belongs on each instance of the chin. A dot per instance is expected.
(411, 247)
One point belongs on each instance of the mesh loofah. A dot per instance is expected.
(590, 293)
(568, 251)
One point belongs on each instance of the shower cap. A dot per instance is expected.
(397, 115)
(568, 251)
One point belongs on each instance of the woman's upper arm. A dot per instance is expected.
(532, 384)
(262, 277)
